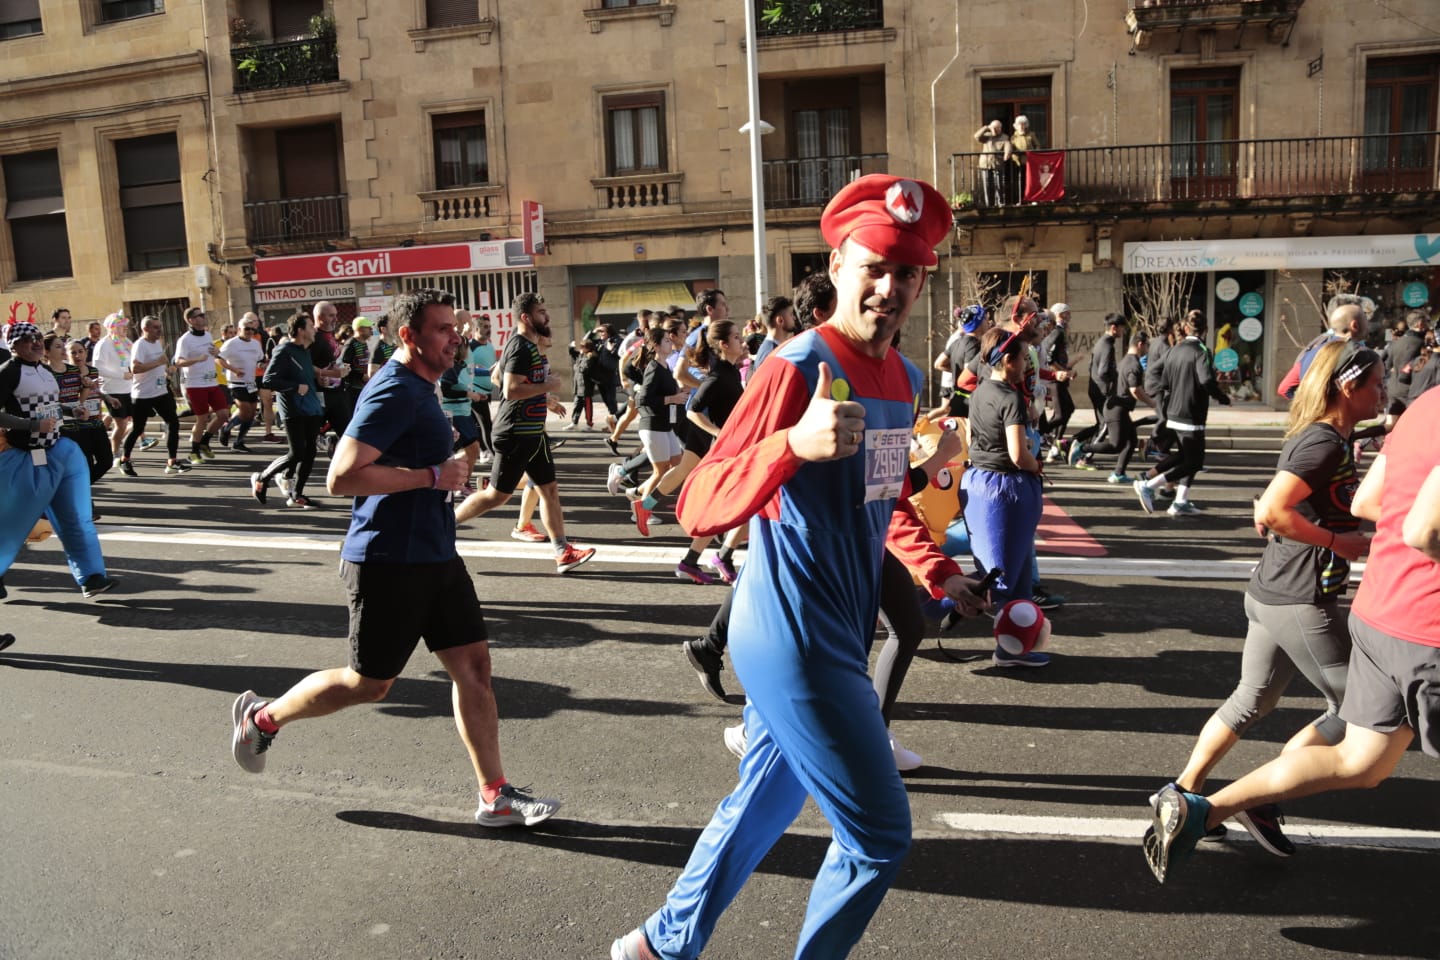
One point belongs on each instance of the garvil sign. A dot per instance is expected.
(392, 262)
(1282, 253)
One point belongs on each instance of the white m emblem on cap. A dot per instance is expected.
(905, 201)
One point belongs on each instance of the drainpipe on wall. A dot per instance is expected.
(934, 180)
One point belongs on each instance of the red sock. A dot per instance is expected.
(489, 791)
(263, 722)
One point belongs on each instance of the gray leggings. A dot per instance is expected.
(1310, 638)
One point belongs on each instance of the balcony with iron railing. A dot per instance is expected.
(1148, 17)
(812, 182)
(288, 63)
(786, 18)
(295, 220)
(1310, 173)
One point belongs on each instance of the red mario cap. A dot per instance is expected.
(901, 220)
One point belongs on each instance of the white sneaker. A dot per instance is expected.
(286, 485)
(905, 759)
(736, 740)
(615, 480)
(483, 459)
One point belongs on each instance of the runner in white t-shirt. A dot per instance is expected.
(195, 356)
(242, 356)
(150, 395)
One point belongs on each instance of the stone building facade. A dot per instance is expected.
(295, 149)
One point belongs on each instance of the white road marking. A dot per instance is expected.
(1100, 567)
(1133, 828)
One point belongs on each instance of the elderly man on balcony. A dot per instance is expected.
(995, 154)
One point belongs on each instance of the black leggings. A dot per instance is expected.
(162, 406)
(482, 421)
(1185, 462)
(94, 442)
(301, 433)
(899, 612)
(1064, 407)
(1120, 437)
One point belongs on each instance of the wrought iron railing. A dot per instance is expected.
(1219, 170)
(295, 218)
(781, 18)
(290, 63)
(812, 182)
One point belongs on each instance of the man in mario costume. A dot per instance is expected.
(816, 458)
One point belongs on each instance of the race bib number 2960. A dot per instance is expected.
(887, 458)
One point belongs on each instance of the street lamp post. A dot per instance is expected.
(757, 181)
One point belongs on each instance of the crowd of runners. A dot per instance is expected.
(799, 436)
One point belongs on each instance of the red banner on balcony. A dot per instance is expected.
(359, 264)
(1044, 176)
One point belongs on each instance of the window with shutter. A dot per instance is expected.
(19, 18)
(451, 13)
(150, 201)
(35, 213)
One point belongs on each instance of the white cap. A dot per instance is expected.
(1059, 308)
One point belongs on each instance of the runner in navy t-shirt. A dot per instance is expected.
(401, 571)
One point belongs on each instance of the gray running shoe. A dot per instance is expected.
(737, 740)
(1183, 510)
(633, 946)
(1146, 495)
(514, 806)
(249, 743)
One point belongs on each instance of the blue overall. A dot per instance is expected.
(60, 491)
(1002, 512)
(800, 632)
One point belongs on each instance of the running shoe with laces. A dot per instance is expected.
(257, 487)
(515, 806)
(1178, 825)
(1263, 823)
(641, 516)
(249, 743)
(1119, 478)
(1077, 450)
(286, 485)
(206, 452)
(240, 447)
(1046, 600)
(737, 739)
(96, 584)
(147, 442)
(1215, 834)
(572, 558)
(225, 435)
(633, 946)
(614, 479)
(196, 458)
(614, 446)
(689, 571)
(301, 502)
(1186, 509)
(707, 666)
(176, 468)
(1031, 659)
(527, 534)
(1146, 495)
(128, 468)
(724, 569)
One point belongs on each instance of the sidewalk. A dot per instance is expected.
(1235, 415)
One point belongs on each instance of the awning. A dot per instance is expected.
(630, 298)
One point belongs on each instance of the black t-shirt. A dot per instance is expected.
(965, 349)
(324, 353)
(718, 392)
(655, 413)
(1290, 572)
(522, 417)
(356, 353)
(994, 406)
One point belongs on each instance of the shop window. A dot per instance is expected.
(451, 13)
(1005, 98)
(35, 213)
(150, 204)
(461, 155)
(19, 18)
(114, 10)
(635, 134)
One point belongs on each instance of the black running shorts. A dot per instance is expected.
(393, 605)
(516, 457)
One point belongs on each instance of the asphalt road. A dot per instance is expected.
(128, 831)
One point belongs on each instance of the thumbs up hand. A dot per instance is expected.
(830, 429)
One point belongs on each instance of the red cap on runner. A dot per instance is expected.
(901, 220)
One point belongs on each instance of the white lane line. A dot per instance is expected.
(1133, 828)
(1100, 567)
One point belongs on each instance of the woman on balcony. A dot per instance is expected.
(1022, 141)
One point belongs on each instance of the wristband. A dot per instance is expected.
(434, 477)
